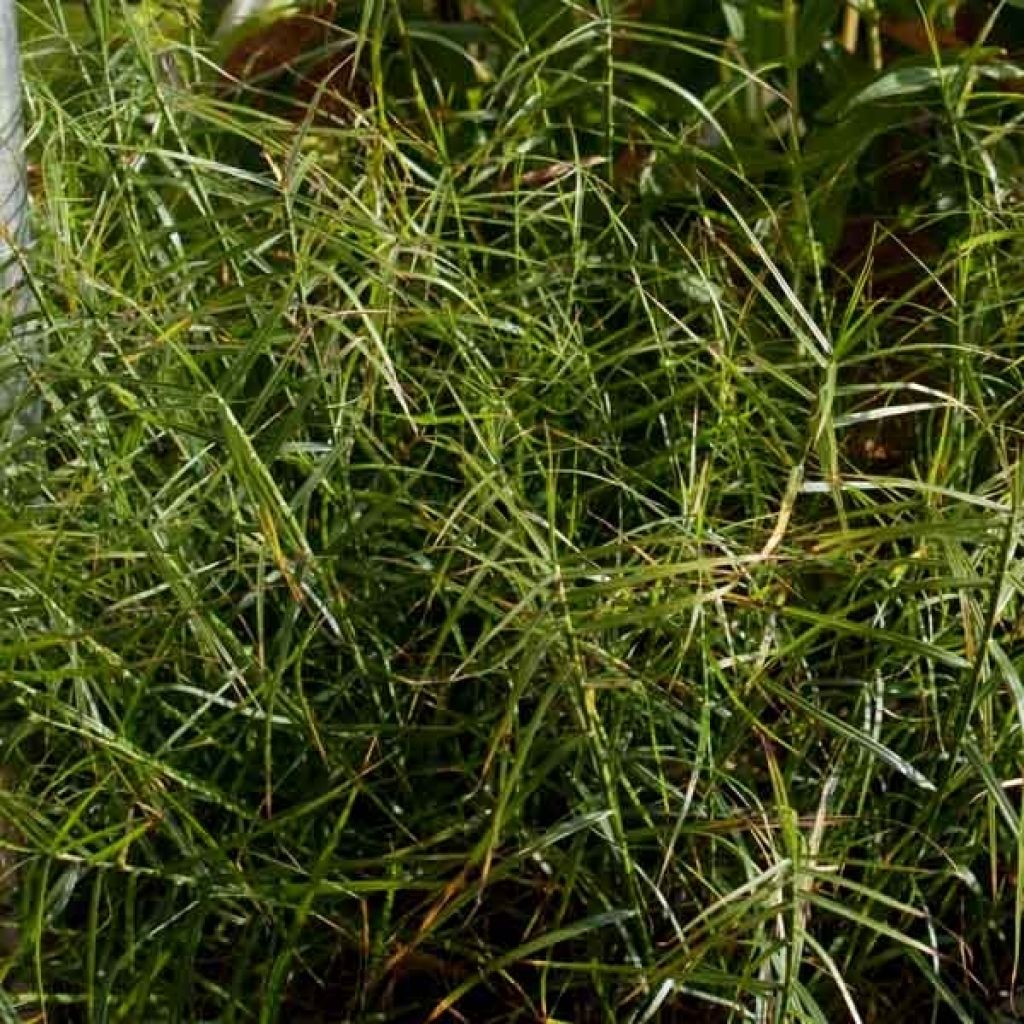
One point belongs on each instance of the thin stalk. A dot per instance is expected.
(851, 28)
(874, 20)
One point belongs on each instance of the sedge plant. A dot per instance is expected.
(528, 528)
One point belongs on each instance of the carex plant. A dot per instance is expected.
(526, 519)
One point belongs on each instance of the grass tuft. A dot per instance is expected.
(531, 537)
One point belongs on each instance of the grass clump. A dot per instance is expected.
(526, 532)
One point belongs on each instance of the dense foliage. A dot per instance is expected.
(525, 522)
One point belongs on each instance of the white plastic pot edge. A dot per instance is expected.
(14, 220)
